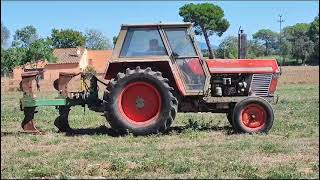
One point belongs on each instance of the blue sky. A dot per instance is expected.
(107, 16)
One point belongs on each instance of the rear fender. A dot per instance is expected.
(165, 67)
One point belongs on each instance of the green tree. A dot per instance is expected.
(25, 36)
(67, 38)
(313, 34)
(114, 40)
(301, 45)
(40, 49)
(285, 50)
(4, 69)
(228, 48)
(5, 34)
(254, 49)
(12, 57)
(208, 20)
(96, 40)
(269, 37)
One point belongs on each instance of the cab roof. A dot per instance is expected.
(185, 24)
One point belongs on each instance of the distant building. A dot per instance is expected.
(98, 59)
(68, 60)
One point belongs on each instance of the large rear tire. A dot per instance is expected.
(253, 115)
(140, 102)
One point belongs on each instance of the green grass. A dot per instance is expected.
(201, 145)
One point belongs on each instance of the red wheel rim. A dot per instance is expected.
(253, 117)
(140, 102)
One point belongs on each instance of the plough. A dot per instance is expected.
(63, 102)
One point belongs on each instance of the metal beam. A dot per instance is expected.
(28, 101)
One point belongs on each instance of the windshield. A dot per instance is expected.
(143, 42)
(180, 42)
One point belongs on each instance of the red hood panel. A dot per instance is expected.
(242, 66)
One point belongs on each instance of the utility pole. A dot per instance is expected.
(280, 22)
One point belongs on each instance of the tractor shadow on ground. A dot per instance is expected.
(101, 130)
(228, 130)
(104, 130)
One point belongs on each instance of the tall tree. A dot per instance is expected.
(313, 34)
(228, 48)
(12, 57)
(5, 34)
(4, 69)
(269, 37)
(301, 44)
(286, 47)
(208, 20)
(254, 49)
(67, 38)
(96, 40)
(40, 49)
(25, 36)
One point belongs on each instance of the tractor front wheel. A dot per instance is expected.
(253, 115)
(140, 102)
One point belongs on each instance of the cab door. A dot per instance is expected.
(187, 59)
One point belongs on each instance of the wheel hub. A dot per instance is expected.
(253, 116)
(139, 102)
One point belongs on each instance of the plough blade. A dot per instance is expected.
(30, 128)
(61, 121)
(27, 124)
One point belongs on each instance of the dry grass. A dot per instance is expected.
(208, 149)
(300, 75)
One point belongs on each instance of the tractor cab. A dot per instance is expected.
(172, 43)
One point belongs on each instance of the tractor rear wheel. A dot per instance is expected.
(253, 115)
(140, 102)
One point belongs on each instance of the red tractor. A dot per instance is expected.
(157, 70)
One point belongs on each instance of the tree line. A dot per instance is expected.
(27, 46)
(299, 42)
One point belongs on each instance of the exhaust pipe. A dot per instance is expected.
(242, 44)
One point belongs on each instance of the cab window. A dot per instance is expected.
(180, 42)
(140, 42)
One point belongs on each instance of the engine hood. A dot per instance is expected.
(242, 66)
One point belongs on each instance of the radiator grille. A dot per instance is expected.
(260, 84)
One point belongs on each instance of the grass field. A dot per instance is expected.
(199, 145)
